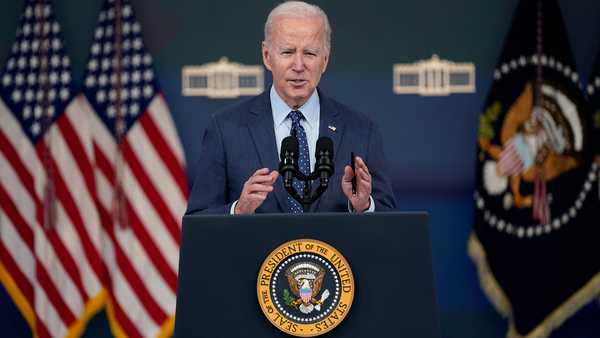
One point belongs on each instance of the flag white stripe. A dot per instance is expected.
(17, 248)
(72, 175)
(44, 309)
(20, 197)
(44, 250)
(103, 139)
(150, 219)
(153, 281)
(126, 298)
(79, 118)
(137, 255)
(26, 152)
(155, 168)
(67, 233)
(145, 211)
(46, 313)
(54, 267)
(161, 116)
(104, 190)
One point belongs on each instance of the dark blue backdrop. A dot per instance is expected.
(430, 141)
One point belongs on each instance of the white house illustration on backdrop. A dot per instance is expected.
(222, 79)
(434, 77)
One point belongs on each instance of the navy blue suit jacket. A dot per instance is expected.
(241, 139)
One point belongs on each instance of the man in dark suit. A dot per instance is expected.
(235, 173)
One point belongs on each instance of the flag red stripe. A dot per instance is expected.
(67, 262)
(168, 157)
(53, 294)
(145, 239)
(72, 211)
(153, 195)
(153, 252)
(150, 190)
(86, 170)
(17, 275)
(137, 285)
(123, 320)
(74, 144)
(22, 227)
(42, 330)
(104, 165)
(45, 282)
(26, 233)
(21, 171)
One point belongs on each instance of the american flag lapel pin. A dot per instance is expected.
(332, 128)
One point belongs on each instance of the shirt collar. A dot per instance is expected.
(310, 109)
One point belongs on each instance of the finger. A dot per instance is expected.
(363, 174)
(255, 200)
(261, 171)
(267, 179)
(252, 188)
(348, 174)
(274, 174)
(360, 163)
(258, 196)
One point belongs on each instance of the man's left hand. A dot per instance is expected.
(362, 199)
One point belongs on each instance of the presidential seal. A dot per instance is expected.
(305, 287)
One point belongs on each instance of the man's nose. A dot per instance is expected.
(298, 64)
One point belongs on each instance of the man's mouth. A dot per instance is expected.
(297, 82)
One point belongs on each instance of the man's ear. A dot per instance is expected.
(326, 63)
(266, 55)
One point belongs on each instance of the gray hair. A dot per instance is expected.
(298, 9)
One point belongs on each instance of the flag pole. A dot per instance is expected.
(541, 209)
(49, 203)
(119, 204)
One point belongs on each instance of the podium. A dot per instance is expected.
(389, 254)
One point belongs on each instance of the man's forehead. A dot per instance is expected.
(297, 24)
(289, 31)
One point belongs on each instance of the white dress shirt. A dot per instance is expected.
(311, 110)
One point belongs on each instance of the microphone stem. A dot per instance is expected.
(306, 198)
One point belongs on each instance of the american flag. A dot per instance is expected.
(140, 177)
(50, 233)
(515, 157)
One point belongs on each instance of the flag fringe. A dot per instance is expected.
(75, 330)
(166, 330)
(487, 281)
(115, 328)
(92, 307)
(18, 298)
(497, 297)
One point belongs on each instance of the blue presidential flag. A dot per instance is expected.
(536, 201)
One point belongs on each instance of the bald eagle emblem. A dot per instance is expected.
(305, 280)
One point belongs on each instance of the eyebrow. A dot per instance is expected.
(310, 50)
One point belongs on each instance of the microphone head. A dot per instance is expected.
(324, 144)
(289, 145)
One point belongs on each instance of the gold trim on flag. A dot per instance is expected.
(498, 298)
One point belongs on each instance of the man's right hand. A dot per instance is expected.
(255, 191)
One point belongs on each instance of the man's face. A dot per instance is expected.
(296, 57)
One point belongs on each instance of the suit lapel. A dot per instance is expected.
(260, 123)
(331, 124)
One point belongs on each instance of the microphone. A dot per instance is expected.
(289, 160)
(324, 167)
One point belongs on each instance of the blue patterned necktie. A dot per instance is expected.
(303, 159)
